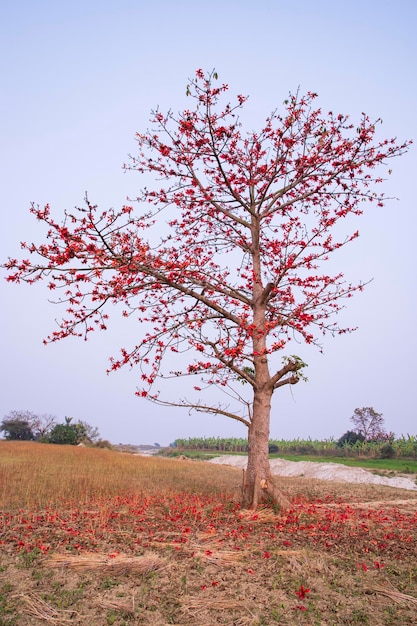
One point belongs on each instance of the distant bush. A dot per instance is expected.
(64, 434)
(307, 449)
(350, 438)
(73, 433)
(387, 451)
(102, 443)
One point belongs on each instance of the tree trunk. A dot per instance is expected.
(258, 482)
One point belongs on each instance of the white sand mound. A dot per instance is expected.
(322, 471)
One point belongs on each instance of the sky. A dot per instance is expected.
(80, 78)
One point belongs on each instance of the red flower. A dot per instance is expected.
(164, 150)
(302, 592)
(362, 566)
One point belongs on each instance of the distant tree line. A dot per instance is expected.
(29, 426)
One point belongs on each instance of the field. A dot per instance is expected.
(401, 448)
(98, 537)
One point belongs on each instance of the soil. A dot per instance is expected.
(324, 471)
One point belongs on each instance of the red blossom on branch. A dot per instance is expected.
(280, 191)
(237, 271)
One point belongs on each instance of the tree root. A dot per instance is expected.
(263, 489)
(277, 497)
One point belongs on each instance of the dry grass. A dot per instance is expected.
(394, 594)
(34, 605)
(109, 539)
(115, 566)
(44, 475)
(119, 607)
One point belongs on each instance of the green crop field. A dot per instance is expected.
(401, 448)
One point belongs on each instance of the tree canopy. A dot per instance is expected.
(16, 429)
(370, 424)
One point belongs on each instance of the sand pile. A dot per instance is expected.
(323, 471)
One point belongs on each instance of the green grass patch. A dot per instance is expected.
(406, 466)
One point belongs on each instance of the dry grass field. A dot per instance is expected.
(98, 537)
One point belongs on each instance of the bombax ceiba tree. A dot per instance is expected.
(248, 222)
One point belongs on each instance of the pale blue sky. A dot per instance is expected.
(79, 78)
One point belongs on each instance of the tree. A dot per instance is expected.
(43, 424)
(369, 424)
(63, 434)
(235, 271)
(39, 425)
(87, 432)
(349, 438)
(19, 425)
(73, 433)
(16, 429)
